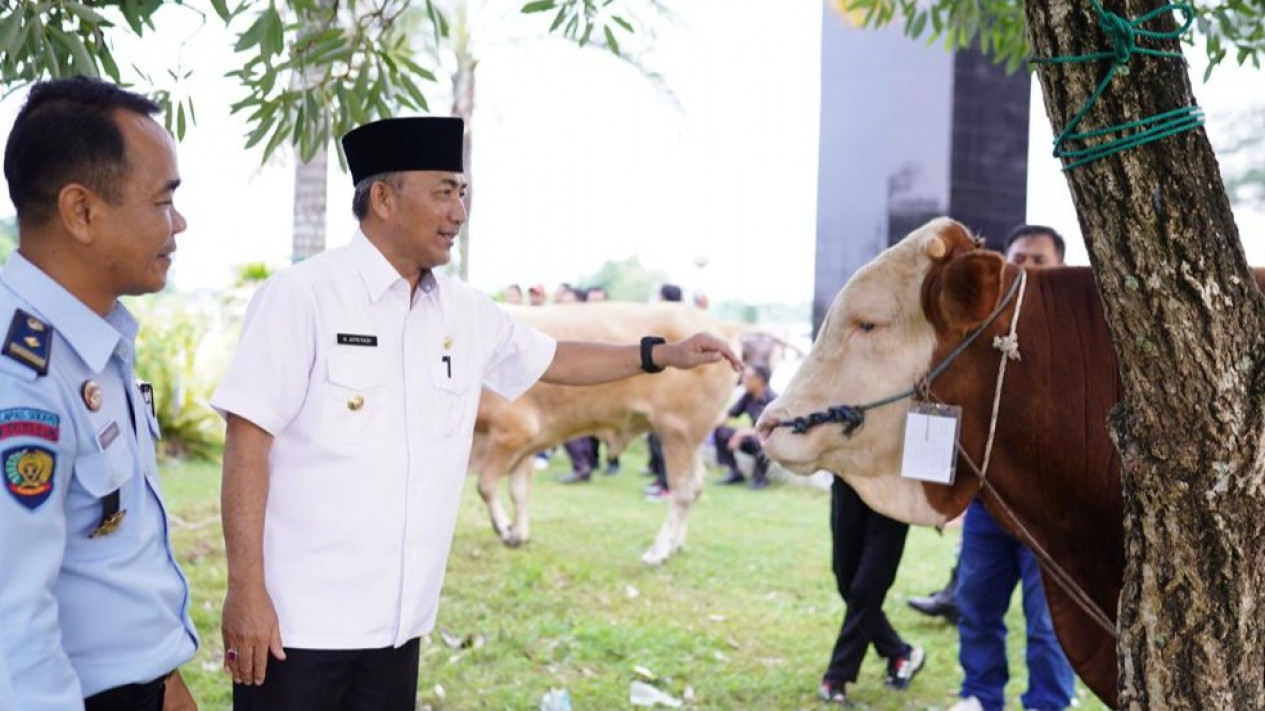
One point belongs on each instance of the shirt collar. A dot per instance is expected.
(378, 274)
(94, 338)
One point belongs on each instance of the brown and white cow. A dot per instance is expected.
(681, 406)
(1052, 460)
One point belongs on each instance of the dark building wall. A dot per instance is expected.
(909, 132)
(884, 145)
(988, 182)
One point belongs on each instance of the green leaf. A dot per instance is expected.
(107, 64)
(276, 32)
(416, 69)
(9, 27)
(87, 14)
(919, 23)
(278, 136)
(557, 20)
(414, 92)
(253, 34)
(623, 23)
(180, 121)
(538, 6)
(132, 15)
(610, 40)
(259, 132)
(221, 9)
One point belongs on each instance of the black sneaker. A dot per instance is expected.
(832, 693)
(901, 670)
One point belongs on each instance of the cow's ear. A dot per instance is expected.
(970, 288)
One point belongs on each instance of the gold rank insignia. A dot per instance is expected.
(355, 402)
(447, 342)
(108, 525)
(92, 396)
(29, 342)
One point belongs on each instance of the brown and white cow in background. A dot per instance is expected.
(1052, 460)
(681, 406)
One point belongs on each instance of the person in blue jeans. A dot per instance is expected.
(992, 562)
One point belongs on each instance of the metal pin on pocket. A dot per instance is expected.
(355, 402)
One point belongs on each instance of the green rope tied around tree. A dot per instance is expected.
(1124, 36)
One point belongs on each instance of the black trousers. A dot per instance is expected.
(130, 697)
(336, 680)
(750, 445)
(657, 464)
(583, 454)
(867, 550)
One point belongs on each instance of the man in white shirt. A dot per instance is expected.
(350, 405)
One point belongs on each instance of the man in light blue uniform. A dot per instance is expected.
(93, 607)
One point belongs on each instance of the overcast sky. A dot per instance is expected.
(578, 159)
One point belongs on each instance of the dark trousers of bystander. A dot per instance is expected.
(867, 550)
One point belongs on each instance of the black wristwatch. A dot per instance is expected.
(647, 362)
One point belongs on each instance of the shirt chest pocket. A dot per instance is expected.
(354, 391)
(453, 378)
(97, 476)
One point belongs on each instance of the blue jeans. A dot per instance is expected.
(992, 563)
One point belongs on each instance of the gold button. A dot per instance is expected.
(447, 342)
(355, 402)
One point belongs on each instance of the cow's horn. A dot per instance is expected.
(934, 247)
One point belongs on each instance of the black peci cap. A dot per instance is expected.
(401, 144)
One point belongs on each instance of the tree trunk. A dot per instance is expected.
(1187, 320)
(463, 106)
(308, 236)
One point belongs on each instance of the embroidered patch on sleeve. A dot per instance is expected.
(28, 474)
(29, 422)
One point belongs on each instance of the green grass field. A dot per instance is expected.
(743, 618)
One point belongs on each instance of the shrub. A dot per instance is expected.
(179, 352)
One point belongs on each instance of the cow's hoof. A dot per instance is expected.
(653, 557)
(512, 540)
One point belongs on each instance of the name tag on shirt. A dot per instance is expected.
(108, 434)
(930, 446)
(356, 339)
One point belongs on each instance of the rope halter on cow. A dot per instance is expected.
(853, 416)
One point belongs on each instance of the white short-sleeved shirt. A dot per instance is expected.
(371, 396)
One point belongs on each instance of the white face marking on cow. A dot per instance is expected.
(875, 342)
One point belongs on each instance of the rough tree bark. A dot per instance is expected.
(1187, 321)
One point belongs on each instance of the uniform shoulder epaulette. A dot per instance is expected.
(30, 341)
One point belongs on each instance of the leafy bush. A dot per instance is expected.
(179, 352)
(8, 238)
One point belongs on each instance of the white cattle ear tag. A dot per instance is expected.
(931, 436)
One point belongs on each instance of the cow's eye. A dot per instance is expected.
(865, 326)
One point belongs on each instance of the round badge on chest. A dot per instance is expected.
(92, 396)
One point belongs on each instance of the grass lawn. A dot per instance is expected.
(743, 618)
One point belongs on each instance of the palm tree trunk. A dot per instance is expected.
(309, 206)
(463, 106)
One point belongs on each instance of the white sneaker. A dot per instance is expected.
(970, 703)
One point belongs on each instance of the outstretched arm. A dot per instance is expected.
(587, 363)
